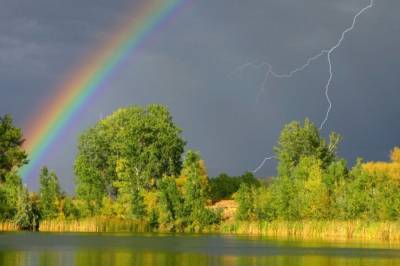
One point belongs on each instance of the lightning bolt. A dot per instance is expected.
(325, 52)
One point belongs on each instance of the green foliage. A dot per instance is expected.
(27, 215)
(123, 152)
(194, 194)
(138, 207)
(49, 194)
(69, 209)
(298, 140)
(129, 167)
(130, 186)
(370, 196)
(314, 184)
(246, 204)
(186, 207)
(171, 202)
(224, 186)
(12, 156)
(9, 191)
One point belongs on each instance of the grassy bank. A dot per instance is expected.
(329, 230)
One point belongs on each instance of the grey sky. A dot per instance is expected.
(188, 67)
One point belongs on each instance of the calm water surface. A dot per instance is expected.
(126, 249)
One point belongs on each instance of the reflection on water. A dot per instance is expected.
(109, 249)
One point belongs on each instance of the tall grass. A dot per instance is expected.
(325, 230)
(7, 226)
(329, 230)
(96, 224)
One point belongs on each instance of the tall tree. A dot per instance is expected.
(12, 155)
(196, 192)
(296, 141)
(49, 194)
(26, 217)
(171, 203)
(9, 191)
(144, 139)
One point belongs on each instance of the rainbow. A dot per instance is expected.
(82, 83)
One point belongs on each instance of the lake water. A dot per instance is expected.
(192, 250)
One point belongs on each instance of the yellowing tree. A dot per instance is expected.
(390, 169)
(395, 155)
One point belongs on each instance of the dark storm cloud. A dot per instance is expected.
(188, 66)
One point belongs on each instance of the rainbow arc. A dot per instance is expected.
(82, 84)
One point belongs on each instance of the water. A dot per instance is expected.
(192, 250)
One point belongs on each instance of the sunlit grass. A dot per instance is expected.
(96, 224)
(8, 226)
(329, 230)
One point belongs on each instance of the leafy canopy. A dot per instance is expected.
(12, 155)
(125, 151)
(297, 140)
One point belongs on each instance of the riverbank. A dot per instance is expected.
(327, 230)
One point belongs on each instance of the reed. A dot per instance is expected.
(310, 229)
(329, 230)
(8, 226)
(96, 224)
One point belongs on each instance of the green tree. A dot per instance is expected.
(194, 196)
(298, 140)
(70, 211)
(313, 192)
(26, 217)
(12, 155)
(94, 169)
(195, 193)
(145, 140)
(9, 191)
(49, 194)
(171, 205)
(246, 204)
(130, 187)
(224, 186)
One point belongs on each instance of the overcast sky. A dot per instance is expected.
(188, 66)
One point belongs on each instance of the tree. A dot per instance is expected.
(246, 203)
(9, 191)
(313, 191)
(94, 169)
(196, 192)
(130, 187)
(296, 141)
(26, 217)
(224, 186)
(49, 194)
(12, 155)
(70, 211)
(395, 155)
(309, 177)
(142, 143)
(171, 212)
